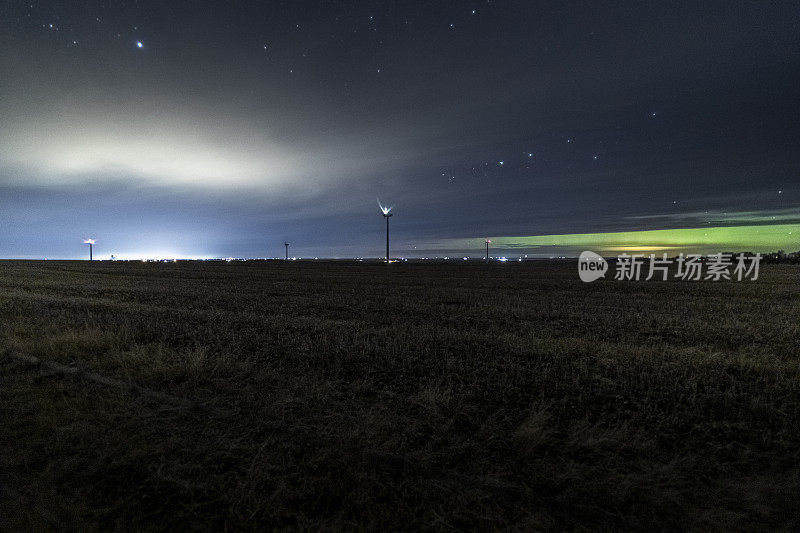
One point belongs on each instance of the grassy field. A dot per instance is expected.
(367, 396)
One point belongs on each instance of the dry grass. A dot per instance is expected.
(361, 396)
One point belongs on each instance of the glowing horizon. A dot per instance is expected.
(753, 238)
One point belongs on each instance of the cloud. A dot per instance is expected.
(66, 151)
(158, 143)
(766, 216)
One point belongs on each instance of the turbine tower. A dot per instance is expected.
(487, 249)
(386, 215)
(286, 244)
(90, 242)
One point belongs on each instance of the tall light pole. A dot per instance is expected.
(90, 242)
(286, 244)
(386, 215)
(487, 249)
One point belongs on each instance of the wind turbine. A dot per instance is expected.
(90, 242)
(286, 244)
(386, 215)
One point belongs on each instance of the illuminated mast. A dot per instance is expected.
(386, 215)
(90, 242)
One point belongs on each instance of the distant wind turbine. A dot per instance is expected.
(386, 215)
(90, 242)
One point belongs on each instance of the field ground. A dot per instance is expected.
(437, 396)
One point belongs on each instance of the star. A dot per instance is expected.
(139, 44)
(594, 157)
(530, 155)
(653, 114)
(501, 163)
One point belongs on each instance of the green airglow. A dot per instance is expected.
(752, 238)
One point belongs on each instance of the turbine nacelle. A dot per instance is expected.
(385, 209)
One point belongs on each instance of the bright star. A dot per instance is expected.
(501, 162)
(530, 155)
(595, 157)
(139, 44)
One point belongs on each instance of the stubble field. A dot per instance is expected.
(340, 395)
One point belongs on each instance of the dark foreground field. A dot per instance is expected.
(342, 395)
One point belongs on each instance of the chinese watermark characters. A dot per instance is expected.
(690, 267)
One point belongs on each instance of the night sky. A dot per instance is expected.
(214, 129)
